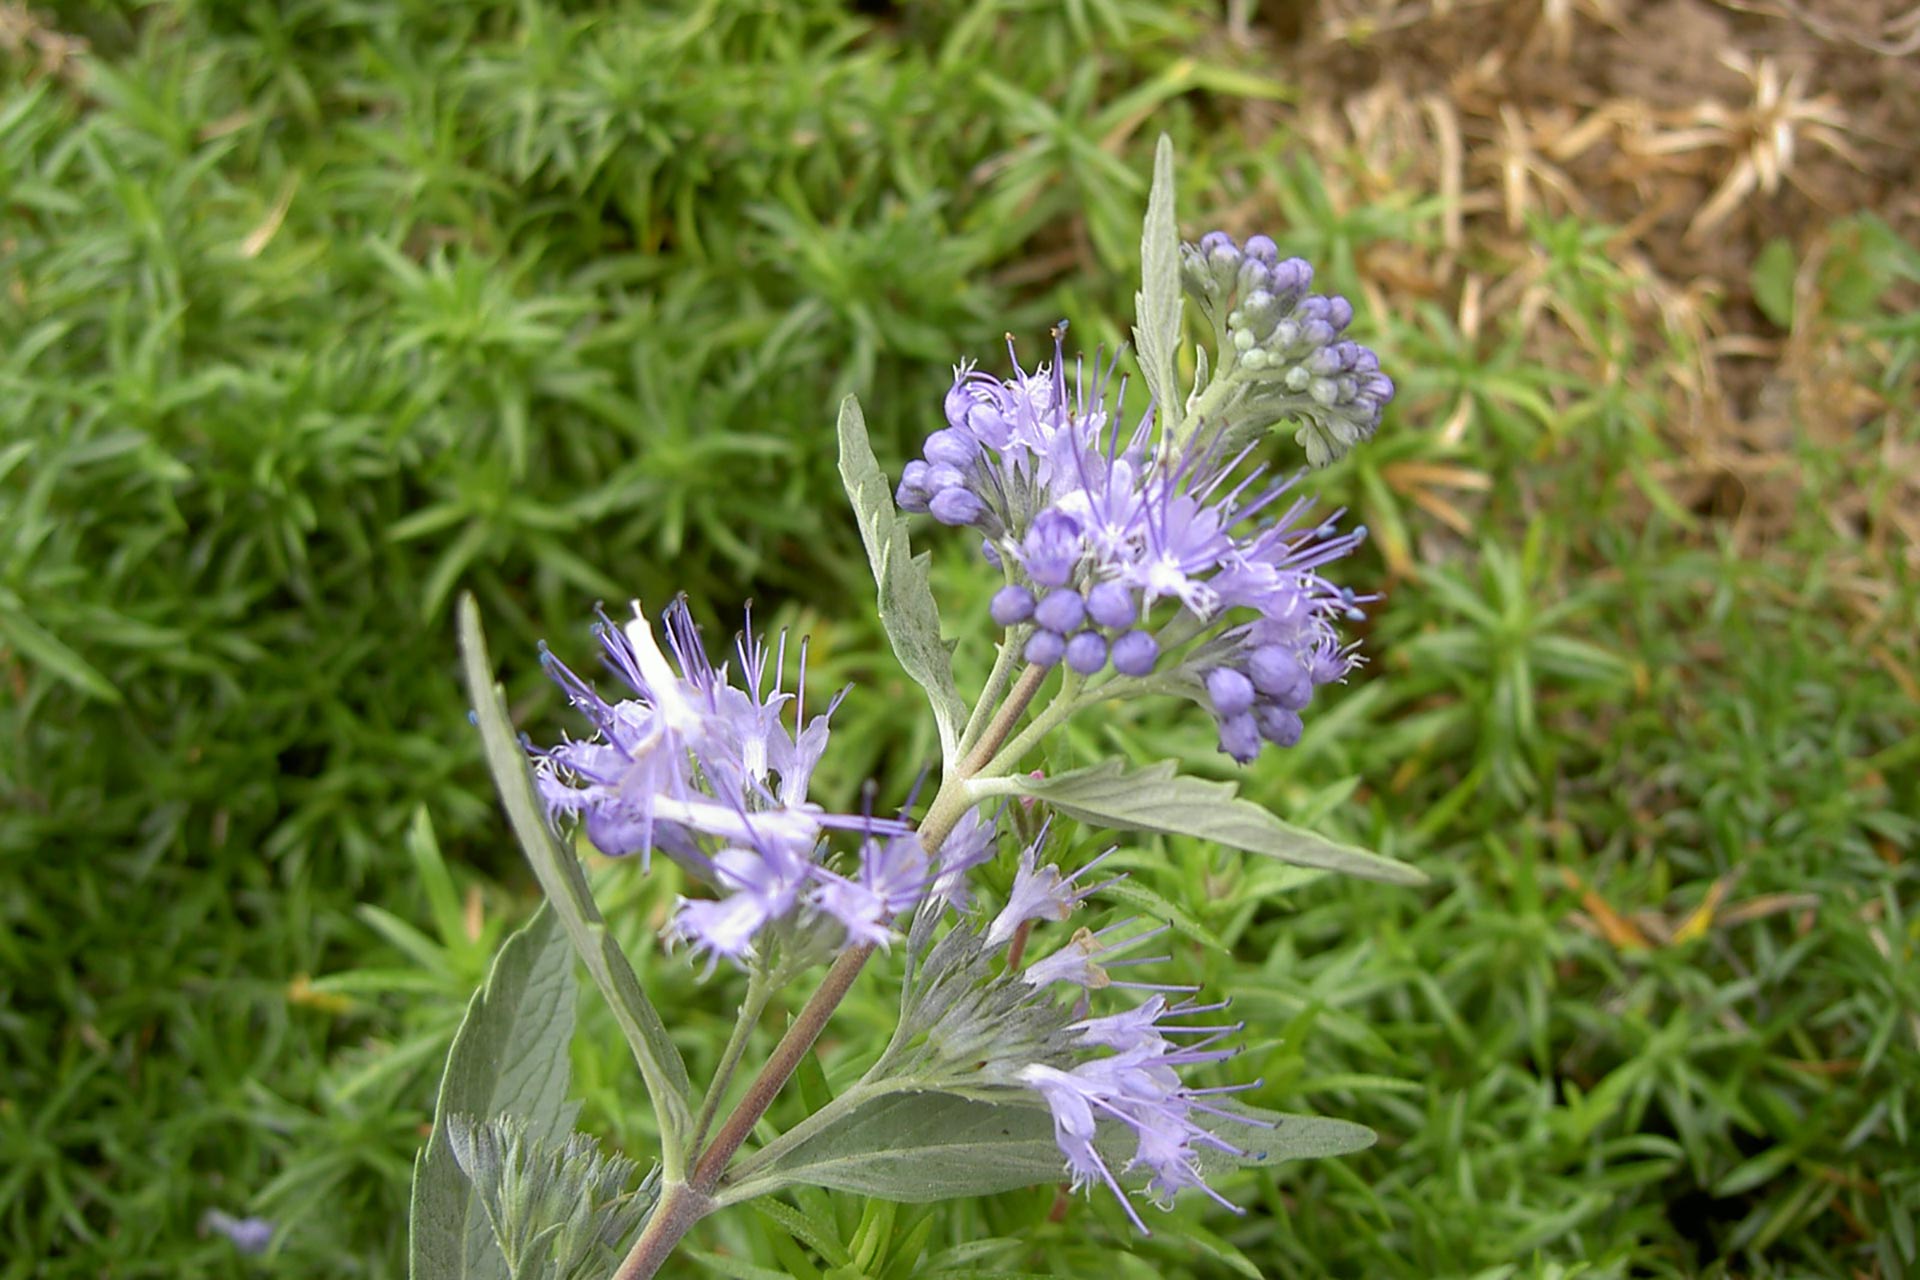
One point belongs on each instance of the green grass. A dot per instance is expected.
(311, 315)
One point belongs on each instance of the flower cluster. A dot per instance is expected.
(1112, 1083)
(1282, 346)
(707, 772)
(1137, 1085)
(1120, 546)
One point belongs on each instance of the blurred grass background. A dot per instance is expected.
(314, 313)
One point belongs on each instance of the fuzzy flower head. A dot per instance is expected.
(1164, 549)
(1123, 1114)
(706, 765)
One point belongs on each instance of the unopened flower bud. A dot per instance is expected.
(1045, 648)
(1087, 652)
(952, 448)
(1278, 725)
(1230, 691)
(1111, 605)
(955, 506)
(1240, 737)
(1012, 604)
(1061, 610)
(1135, 653)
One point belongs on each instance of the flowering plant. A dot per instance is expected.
(1152, 559)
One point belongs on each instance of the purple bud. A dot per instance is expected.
(1217, 242)
(1230, 692)
(911, 498)
(1295, 275)
(1087, 652)
(1061, 610)
(1316, 333)
(1278, 725)
(1240, 737)
(955, 506)
(1051, 550)
(1011, 605)
(1275, 670)
(990, 553)
(1295, 698)
(1262, 249)
(1111, 605)
(1044, 648)
(952, 448)
(941, 476)
(1339, 312)
(1135, 653)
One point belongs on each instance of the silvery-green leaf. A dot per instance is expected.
(565, 884)
(925, 1146)
(1290, 1137)
(1157, 798)
(907, 610)
(1158, 305)
(921, 1147)
(509, 1058)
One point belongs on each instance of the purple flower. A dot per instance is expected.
(709, 770)
(1087, 957)
(1137, 1089)
(1124, 540)
(1040, 893)
(892, 878)
(973, 841)
(249, 1235)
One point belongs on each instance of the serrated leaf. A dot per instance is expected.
(907, 610)
(1159, 303)
(565, 884)
(1157, 798)
(509, 1058)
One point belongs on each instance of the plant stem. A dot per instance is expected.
(996, 685)
(793, 1046)
(856, 1095)
(759, 992)
(1004, 757)
(997, 733)
(679, 1208)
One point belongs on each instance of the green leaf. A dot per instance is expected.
(925, 1146)
(1290, 1137)
(1772, 280)
(1157, 905)
(1157, 798)
(907, 610)
(1158, 306)
(565, 884)
(917, 1147)
(37, 644)
(509, 1058)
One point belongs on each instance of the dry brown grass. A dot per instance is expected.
(1701, 130)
